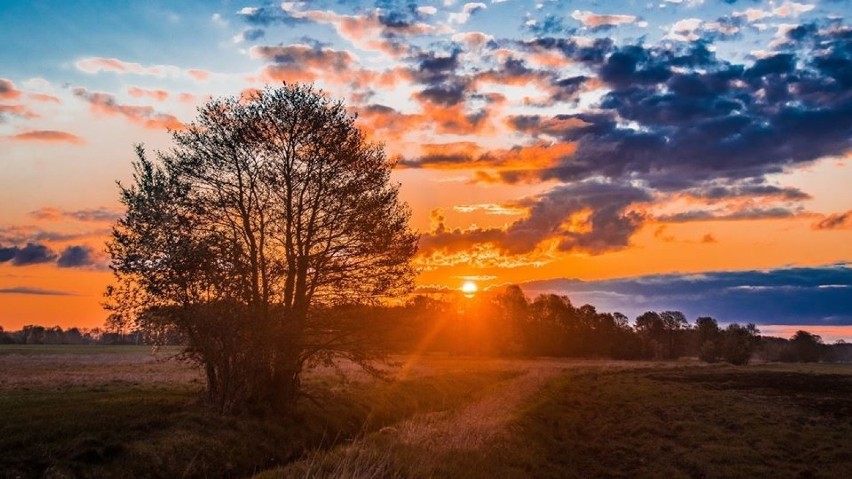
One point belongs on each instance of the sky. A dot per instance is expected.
(699, 149)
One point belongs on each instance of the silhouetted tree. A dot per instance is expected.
(806, 347)
(268, 211)
(708, 339)
(739, 343)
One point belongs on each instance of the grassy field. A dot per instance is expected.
(124, 412)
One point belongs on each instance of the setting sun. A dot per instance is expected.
(469, 287)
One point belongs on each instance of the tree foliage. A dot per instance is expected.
(268, 212)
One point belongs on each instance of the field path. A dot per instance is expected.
(483, 421)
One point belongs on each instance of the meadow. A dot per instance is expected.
(126, 411)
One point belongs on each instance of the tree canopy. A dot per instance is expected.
(268, 211)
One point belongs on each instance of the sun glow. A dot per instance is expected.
(469, 287)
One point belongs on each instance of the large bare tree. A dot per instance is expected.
(268, 212)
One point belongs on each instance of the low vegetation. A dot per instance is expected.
(130, 413)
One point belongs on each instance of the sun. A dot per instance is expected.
(469, 287)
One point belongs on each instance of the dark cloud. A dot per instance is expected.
(268, 15)
(101, 214)
(446, 94)
(550, 25)
(747, 213)
(253, 34)
(75, 257)
(835, 221)
(304, 56)
(434, 68)
(590, 217)
(680, 118)
(753, 190)
(32, 253)
(815, 295)
(34, 291)
(8, 90)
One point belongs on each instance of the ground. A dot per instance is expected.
(90, 411)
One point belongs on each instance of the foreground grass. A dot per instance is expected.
(686, 422)
(122, 428)
(127, 413)
(602, 422)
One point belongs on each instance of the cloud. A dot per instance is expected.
(511, 165)
(598, 21)
(75, 257)
(114, 65)
(679, 118)
(491, 209)
(97, 215)
(798, 295)
(200, 75)
(95, 65)
(835, 221)
(32, 253)
(268, 15)
(467, 10)
(379, 30)
(35, 291)
(44, 98)
(590, 217)
(787, 9)
(685, 30)
(48, 136)
(158, 95)
(8, 90)
(142, 115)
(249, 34)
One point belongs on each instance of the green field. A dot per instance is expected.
(88, 411)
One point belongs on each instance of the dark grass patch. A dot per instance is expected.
(686, 422)
(122, 430)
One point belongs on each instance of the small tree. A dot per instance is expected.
(739, 343)
(806, 347)
(267, 213)
(708, 338)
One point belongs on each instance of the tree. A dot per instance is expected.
(708, 339)
(806, 347)
(269, 212)
(739, 343)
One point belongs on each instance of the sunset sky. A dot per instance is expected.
(687, 154)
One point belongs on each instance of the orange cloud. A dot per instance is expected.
(44, 98)
(835, 221)
(159, 95)
(367, 31)
(48, 136)
(8, 90)
(200, 75)
(146, 116)
(19, 111)
(590, 19)
(510, 165)
(114, 65)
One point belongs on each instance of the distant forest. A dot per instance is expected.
(508, 324)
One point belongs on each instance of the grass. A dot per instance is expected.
(686, 422)
(130, 414)
(669, 420)
(117, 427)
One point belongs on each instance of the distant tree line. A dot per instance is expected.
(34, 334)
(508, 324)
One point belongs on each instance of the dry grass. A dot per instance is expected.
(425, 444)
(38, 367)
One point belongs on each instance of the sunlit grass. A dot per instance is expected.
(439, 416)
